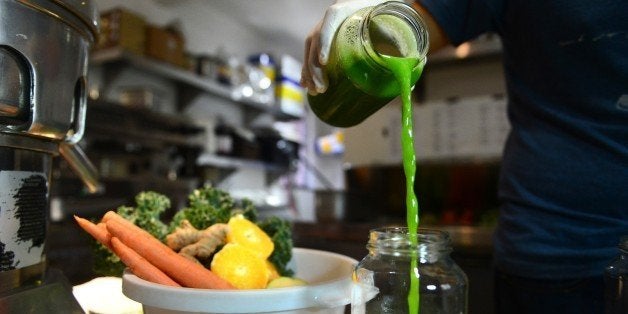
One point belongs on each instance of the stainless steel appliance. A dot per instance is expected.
(44, 46)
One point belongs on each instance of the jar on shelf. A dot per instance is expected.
(224, 135)
(398, 276)
(616, 281)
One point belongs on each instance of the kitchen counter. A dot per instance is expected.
(352, 237)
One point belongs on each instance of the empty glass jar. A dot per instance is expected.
(384, 277)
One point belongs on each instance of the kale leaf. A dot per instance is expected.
(146, 215)
(280, 232)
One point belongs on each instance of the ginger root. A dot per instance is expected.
(197, 244)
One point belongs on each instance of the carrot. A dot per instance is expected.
(99, 232)
(111, 215)
(130, 258)
(139, 265)
(182, 270)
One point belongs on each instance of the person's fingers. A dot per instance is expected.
(334, 17)
(319, 41)
(317, 71)
(329, 25)
(306, 76)
(313, 76)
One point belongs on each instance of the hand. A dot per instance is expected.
(318, 42)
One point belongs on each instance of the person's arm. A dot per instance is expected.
(437, 36)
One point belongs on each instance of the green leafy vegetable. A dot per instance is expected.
(208, 206)
(149, 206)
(105, 262)
(280, 232)
(146, 213)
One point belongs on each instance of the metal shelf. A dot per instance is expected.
(187, 80)
(122, 124)
(232, 162)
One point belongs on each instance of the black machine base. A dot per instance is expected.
(52, 295)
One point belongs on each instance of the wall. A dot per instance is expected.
(206, 29)
(474, 77)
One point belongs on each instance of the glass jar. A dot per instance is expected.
(384, 278)
(359, 80)
(616, 281)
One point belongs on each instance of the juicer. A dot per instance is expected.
(44, 47)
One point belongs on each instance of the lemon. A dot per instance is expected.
(246, 233)
(240, 266)
(272, 271)
(283, 282)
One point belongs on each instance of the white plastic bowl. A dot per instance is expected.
(328, 291)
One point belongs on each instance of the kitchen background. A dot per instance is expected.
(193, 92)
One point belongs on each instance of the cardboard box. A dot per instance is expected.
(166, 45)
(120, 28)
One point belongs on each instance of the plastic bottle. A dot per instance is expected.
(359, 81)
(383, 276)
(616, 281)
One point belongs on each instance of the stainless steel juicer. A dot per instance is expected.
(44, 47)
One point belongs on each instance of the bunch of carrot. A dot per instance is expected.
(147, 257)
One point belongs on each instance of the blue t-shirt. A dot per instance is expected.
(564, 179)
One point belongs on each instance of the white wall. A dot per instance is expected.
(241, 27)
(377, 140)
(206, 28)
(461, 79)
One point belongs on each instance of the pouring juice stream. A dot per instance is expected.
(402, 70)
(377, 54)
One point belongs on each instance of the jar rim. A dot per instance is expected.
(405, 12)
(428, 243)
(422, 233)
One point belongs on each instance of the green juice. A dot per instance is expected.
(378, 54)
(359, 81)
(402, 69)
(350, 105)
